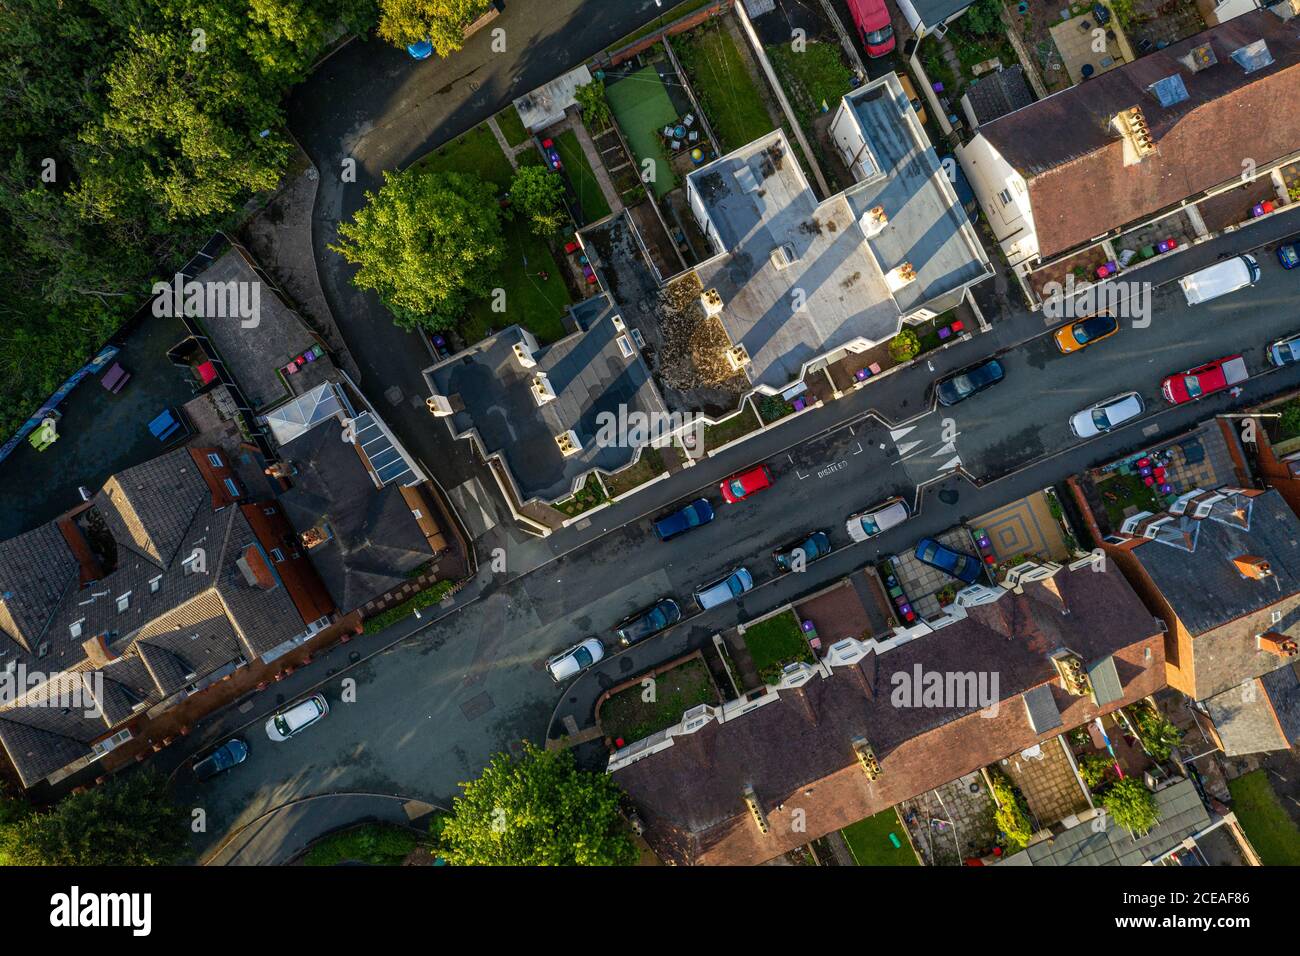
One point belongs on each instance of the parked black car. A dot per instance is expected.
(233, 752)
(815, 545)
(636, 627)
(965, 383)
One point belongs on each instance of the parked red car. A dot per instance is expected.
(1204, 380)
(741, 486)
(872, 20)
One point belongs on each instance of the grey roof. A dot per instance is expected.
(149, 507)
(36, 570)
(1041, 707)
(376, 540)
(491, 393)
(1203, 586)
(1283, 689)
(1106, 685)
(935, 12)
(997, 94)
(1182, 814)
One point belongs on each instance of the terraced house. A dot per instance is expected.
(170, 578)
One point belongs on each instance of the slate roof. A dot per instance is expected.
(36, 570)
(1073, 161)
(997, 94)
(797, 750)
(149, 507)
(1182, 814)
(376, 540)
(1260, 714)
(1203, 586)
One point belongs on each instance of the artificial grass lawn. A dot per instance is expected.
(1269, 828)
(869, 843)
(641, 105)
(723, 86)
(810, 77)
(512, 127)
(377, 844)
(535, 303)
(626, 715)
(776, 642)
(590, 195)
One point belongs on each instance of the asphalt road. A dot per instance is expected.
(430, 710)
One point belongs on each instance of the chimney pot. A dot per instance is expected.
(1278, 644)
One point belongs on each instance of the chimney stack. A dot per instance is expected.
(1253, 566)
(1278, 644)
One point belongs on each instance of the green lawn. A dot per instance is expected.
(649, 465)
(641, 106)
(722, 84)
(512, 127)
(377, 844)
(776, 642)
(729, 429)
(629, 716)
(535, 303)
(590, 196)
(1269, 828)
(815, 75)
(870, 844)
(1118, 492)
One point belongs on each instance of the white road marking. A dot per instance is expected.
(897, 433)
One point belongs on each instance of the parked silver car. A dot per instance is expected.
(878, 520)
(575, 660)
(297, 717)
(1107, 414)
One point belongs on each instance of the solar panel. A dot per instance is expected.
(1169, 91)
(386, 460)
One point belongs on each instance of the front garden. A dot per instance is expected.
(775, 643)
(642, 709)
(591, 495)
(435, 593)
(730, 429)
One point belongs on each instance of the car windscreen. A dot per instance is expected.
(737, 487)
(1193, 385)
(870, 526)
(1100, 420)
(282, 725)
(583, 657)
(735, 586)
(877, 37)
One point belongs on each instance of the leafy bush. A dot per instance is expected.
(983, 18)
(594, 105)
(1131, 804)
(904, 346)
(1095, 769)
(1012, 817)
(1158, 735)
(434, 594)
(538, 193)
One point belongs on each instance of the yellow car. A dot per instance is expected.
(1084, 332)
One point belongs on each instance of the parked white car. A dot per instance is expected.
(1105, 415)
(1220, 279)
(575, 660)
(886, 515)
(298, 717)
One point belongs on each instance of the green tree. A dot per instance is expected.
(441, 22)
(1095, 769)
(904, 346)
(983, 18)
(1158, 734)
(428, 244)
(1131, 804)
(538, 193)
(1012, 815)
(594, 104)
(128, 821)
(537, 810)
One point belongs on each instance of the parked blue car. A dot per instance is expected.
(232, 753)
(963, 567)
(421, 50)
(698, 512)
(1287, 254)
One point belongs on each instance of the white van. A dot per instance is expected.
(1220, 279)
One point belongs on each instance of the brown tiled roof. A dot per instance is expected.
(1073, 161)
(797, 753)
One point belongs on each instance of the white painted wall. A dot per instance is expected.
(1004, 197)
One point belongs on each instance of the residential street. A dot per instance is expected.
(431, 708)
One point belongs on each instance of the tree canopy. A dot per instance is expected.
(1131, 804)
(427, 243)
(537, 810)
(441, 22)
(128, 821)
(128, 133)
(538, 194)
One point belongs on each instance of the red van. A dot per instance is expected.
(872, 20)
